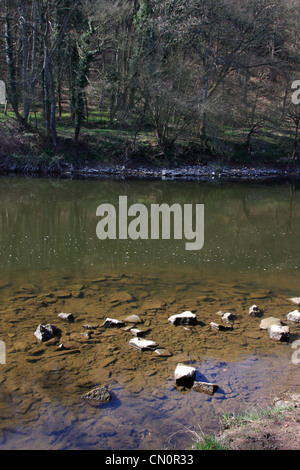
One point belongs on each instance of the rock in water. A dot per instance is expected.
(45, 332)
(90, 327)
(112, 323)
(279, 333)
(228, 317)
(207, 388)
(217, 327)
(254, 311)
(143, 344)
(266, 323)
(295, 300)
(98, 395)
(163, 352)
(294, 316)
(137, 332)
(133, 319)
(66, 316)
(184, 375)
(185, 318)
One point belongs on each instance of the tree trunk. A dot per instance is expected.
(9, 53)
(52, 99)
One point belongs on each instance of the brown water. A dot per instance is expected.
(51, 261)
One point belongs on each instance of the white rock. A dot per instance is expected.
(279, 333)
(228, 317)
(45, 332)
(163, 352)
(143, 344)
(294, 316)
(66, 316)
(254, 311)
(184, 373)
(217, 327)
(295, 300)
(137, 332)
(270, 321)
(185, 318)
(111, 323)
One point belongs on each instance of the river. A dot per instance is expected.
(52, 261)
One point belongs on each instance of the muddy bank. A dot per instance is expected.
(207, 170)
(277, 430)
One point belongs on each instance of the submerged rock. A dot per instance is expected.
(45, 332)
(113, 323)
(128, 328)
(133, 319)
(90, 327)
(207, 388)
(294, 316)
(217, 327)
(184, 374)
(136, 332)
(143, 344)
(81, 337)
(163, 352)
(270, 321)
(66, 316)
(185, 318)
(98, 395)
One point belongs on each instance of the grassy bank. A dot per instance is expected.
(104, 142)
(274, 428)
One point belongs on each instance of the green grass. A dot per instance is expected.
(251, 416)
(241, 420)
(209, 442)
(110, 139)
(268, 144)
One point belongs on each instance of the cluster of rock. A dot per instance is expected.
(277, 330)
(203, 172)
(184, 374)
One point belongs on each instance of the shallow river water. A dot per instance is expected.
(51, 261)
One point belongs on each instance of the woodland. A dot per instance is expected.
(160, 78)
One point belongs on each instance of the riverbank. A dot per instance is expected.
(112, 153)
(276, 428)
(214, 170)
